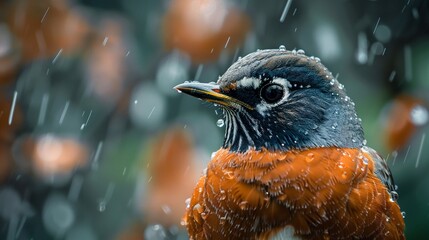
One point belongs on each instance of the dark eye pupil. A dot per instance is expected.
(272, 93)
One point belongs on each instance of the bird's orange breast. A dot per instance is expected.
(325, 193)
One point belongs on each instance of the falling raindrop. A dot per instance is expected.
(376, 26)
(408, 63)
(285, 11)
(420, 149)
(220, 123)
(57, 56)
(12, 108)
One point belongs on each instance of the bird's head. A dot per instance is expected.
(281, 100)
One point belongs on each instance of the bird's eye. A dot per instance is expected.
(272, 93)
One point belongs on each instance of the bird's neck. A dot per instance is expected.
(339, 127)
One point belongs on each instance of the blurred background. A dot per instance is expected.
(95, 143)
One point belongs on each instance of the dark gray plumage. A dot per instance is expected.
(316, 113)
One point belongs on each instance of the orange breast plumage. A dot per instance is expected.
(323, 193)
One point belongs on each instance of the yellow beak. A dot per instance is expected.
(210, 93)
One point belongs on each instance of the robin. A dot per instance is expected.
(293, 164)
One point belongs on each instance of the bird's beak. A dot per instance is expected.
(211, 93)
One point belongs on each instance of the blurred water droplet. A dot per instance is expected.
(243, 205)
(198, 209)
(300, 51)
(403, 214)
(10, 203)
(222, 220)
(156, 231)
(166, 209)
(365, 161)
(310, 157)
(102, 206)
(419, 115)
(394, 196)
(152, 107)
(58, 215)
(6, 40)
(81, 232)
(362, 51)
(364, 141)
(229, 174)
(105, 41)
(383, 33)
(220, 123)
(172, 71)
(222, 195)
(188, 202)
(282, 48)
